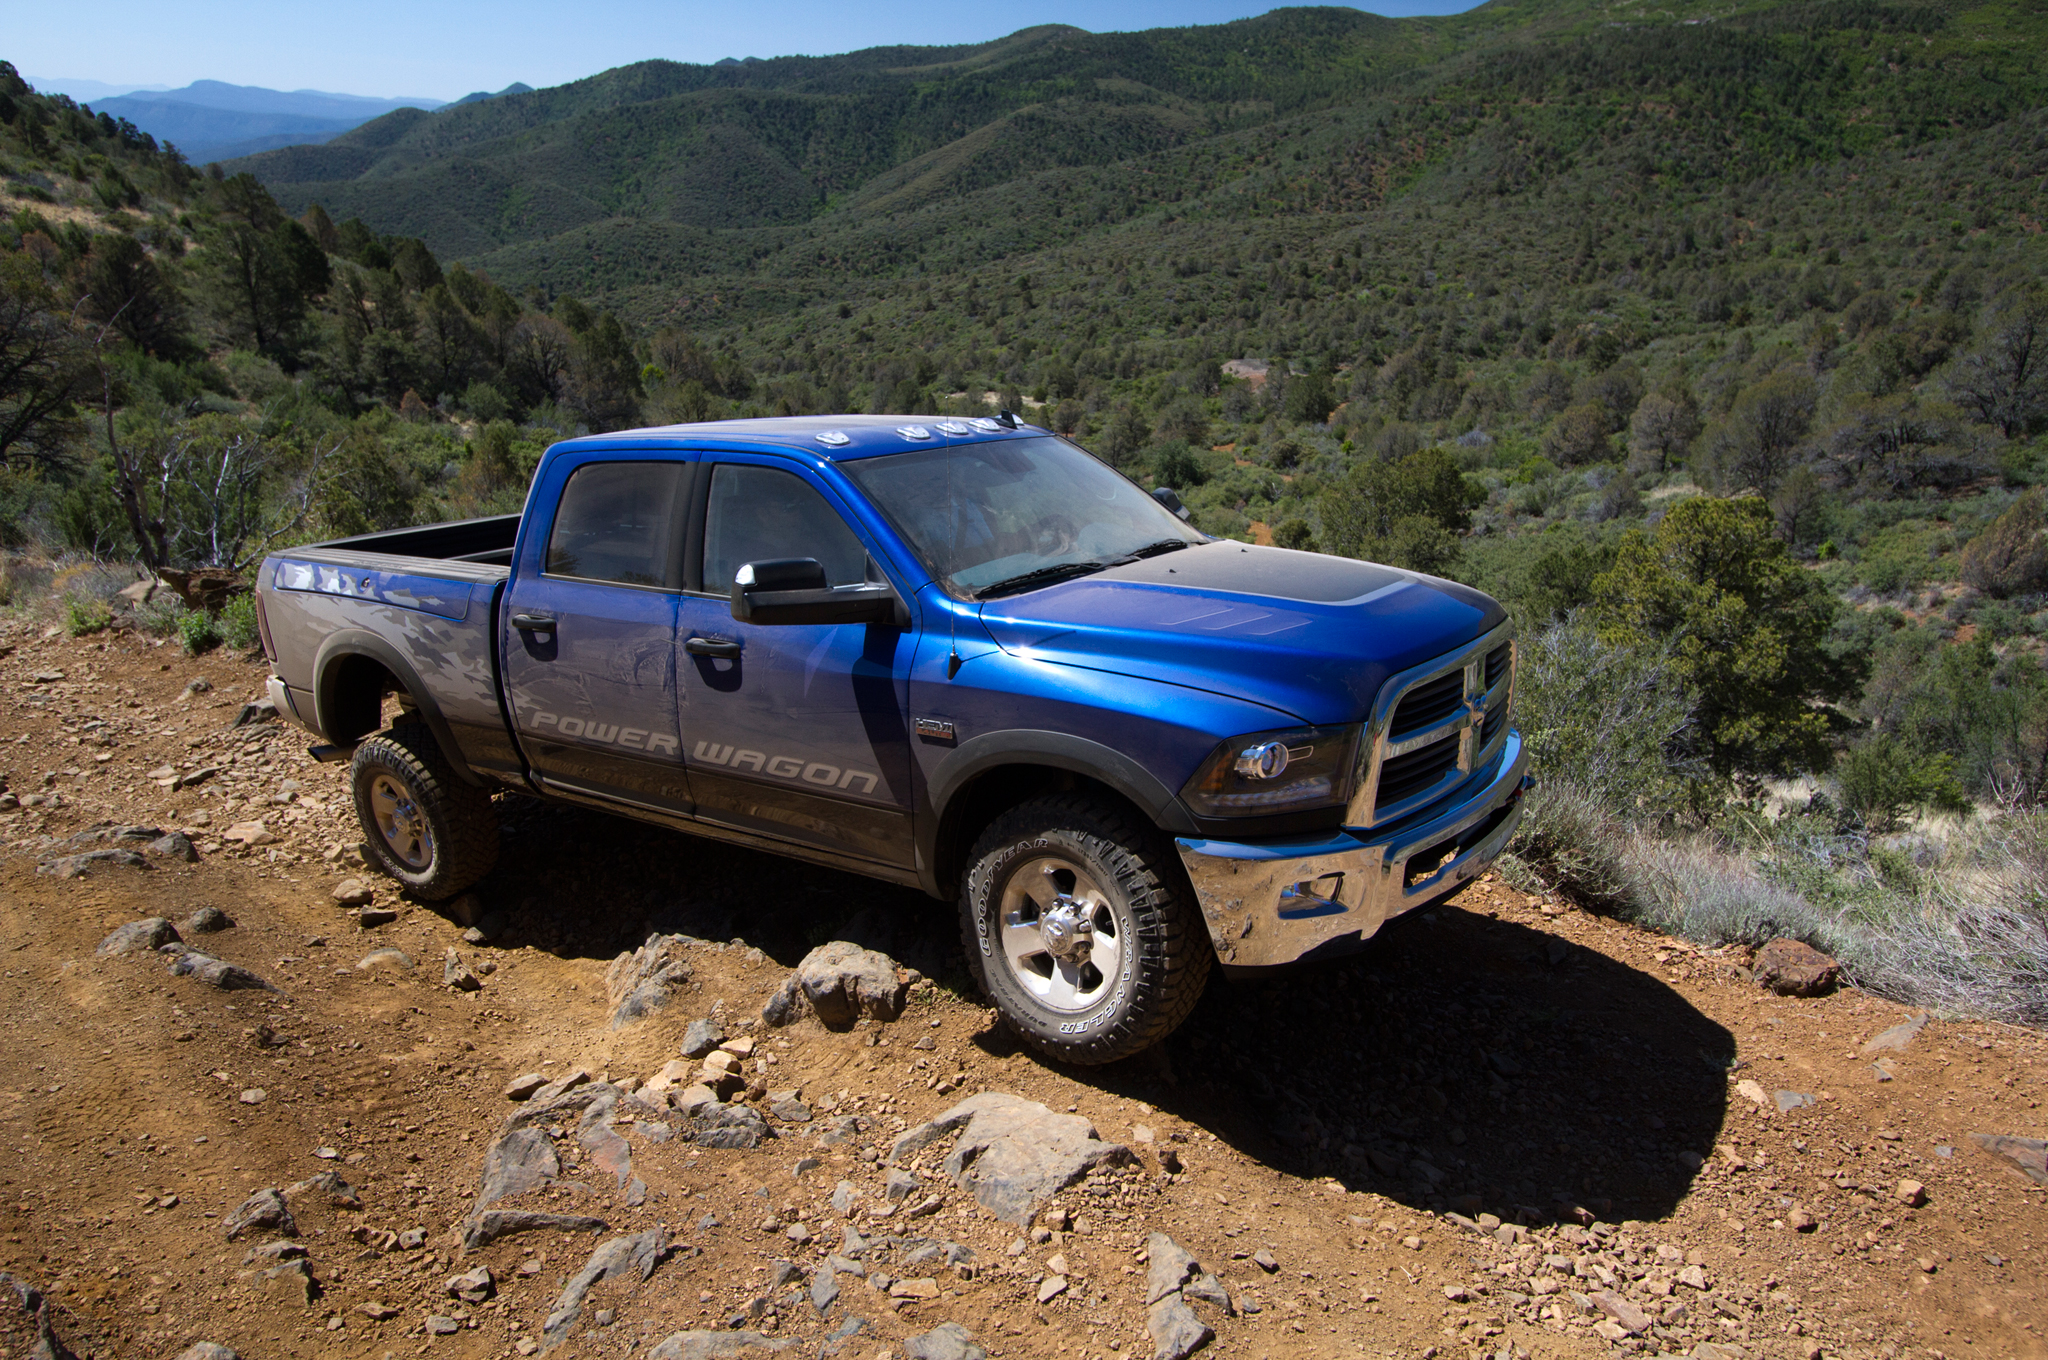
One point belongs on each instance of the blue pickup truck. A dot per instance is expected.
(957, 654)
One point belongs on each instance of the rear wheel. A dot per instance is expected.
(1081, 928)
(424, 826)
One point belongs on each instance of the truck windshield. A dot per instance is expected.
(992, 519)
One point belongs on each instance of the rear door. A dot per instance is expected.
(794, 731)
(589, 629)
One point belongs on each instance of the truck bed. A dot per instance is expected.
(423, 602)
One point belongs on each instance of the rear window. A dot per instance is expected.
(620, 522)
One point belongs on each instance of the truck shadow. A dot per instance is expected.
(1461, 1062)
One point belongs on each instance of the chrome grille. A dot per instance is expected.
(1432, 726)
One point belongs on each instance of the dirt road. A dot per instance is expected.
(1501, 1130)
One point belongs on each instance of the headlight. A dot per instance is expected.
(1303, 767)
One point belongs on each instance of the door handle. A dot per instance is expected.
(702, 646)
(533, 623)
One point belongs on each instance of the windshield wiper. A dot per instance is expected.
(1041, 576)
(1164, 545)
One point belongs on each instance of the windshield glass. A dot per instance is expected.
(984, 516)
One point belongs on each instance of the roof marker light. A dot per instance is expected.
(984, 424)
(952, 427)
(834, 439)
(913, 432)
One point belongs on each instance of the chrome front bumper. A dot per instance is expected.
(1276, 902)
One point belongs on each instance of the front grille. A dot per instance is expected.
(1402, 777)
(1497, 664)
(1489, 729)
(1429, 704)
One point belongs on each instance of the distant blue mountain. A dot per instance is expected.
(210, 120)
(516, 87)
(87, 91)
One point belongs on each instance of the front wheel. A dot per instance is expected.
(424, 826)
(1081, 929)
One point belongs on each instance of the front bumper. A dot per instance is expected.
(1269, 903)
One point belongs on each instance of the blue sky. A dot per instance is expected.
(443, 49)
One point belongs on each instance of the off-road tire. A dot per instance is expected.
(462, 829)
(1165, 953)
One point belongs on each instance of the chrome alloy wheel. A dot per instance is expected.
(401, 822)
(1062, 940)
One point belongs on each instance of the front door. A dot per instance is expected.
(589, 637)
(793, 731)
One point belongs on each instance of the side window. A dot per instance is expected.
(759, 513)
(619, 522)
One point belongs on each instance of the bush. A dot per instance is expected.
(83, 616)
(1176, 465)
(1606, 718)
(159, 615)
(197, 632)
(1882, 779)
(238, 623)
(2011, 556)
(1407, 513)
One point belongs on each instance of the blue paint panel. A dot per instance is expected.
(399, 589)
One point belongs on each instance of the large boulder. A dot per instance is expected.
(139, 937)
(839, 983)
(1012, 1154)
(622, 1256)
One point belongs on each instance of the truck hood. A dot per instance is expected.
(1311, 635)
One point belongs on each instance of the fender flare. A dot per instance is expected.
(326, 701)
(1050, 750)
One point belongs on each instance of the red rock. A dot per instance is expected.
(1791, 968)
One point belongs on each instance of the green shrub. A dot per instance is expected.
(238, 623)
(159, 615)
(197, 632)
(84, 616)
(1883, 779)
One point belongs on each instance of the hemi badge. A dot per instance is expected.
(934, 729)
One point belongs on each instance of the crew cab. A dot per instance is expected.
(962, 655)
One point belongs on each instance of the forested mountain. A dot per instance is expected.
(213, 120)
(1508, 296)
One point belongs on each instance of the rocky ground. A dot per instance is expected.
(553, 1120)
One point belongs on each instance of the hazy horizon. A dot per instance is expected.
(458, 49)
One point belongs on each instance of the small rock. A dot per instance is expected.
(1896, 1038)
(385, 958)
(1910, 1193)
(175, 845)
(249, 834)
(1263, 1259)
(786, 1107)
(456, 974)
(377, 1311)
(824, 1289)
(1051, 1287)
(264, 1209)
(439, 1325)
(947, 1341)
(1792, 968)
(727, 1345)
(1168, 1266)
(839, 983)
(1012, 1154)
(214, 972)
(1693, 1277)
(1625, 1314)
(1208, 1289)
(253, 1096)
(138, 937)
(353, 892)
(1788, 1101)
(524, 1085)
(207, 921)
(492, 1224)
(641, 982)
(369, 918)
(921, 1289)
(207, 1350)
(1176, 1332)
(701, 1037)
(2030, 1155)
(1799, 1220)
(898, 1185)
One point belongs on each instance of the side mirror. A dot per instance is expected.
(793, 590)
(1170, 498)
